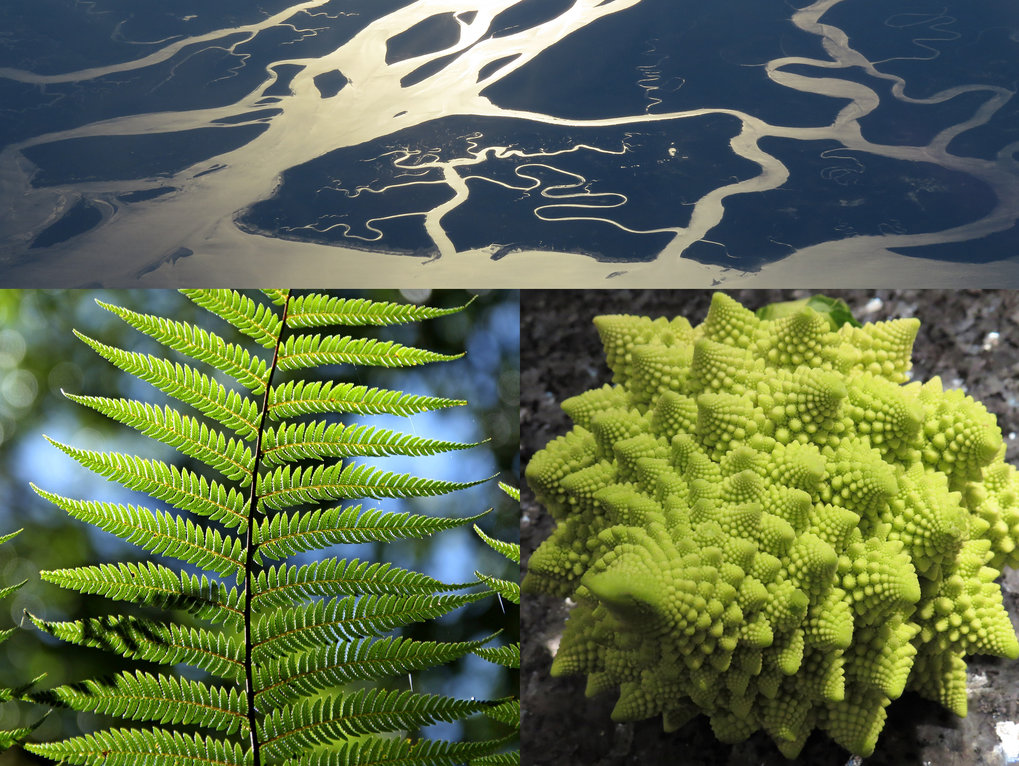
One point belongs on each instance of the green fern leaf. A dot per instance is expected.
(282, 586)
(253, 319)
(9, 739)
(300, 397)
(509, 550)
(137, 747)
(318, 440)
(508, 656)
(144, 639)
(4, 593)
(185, 384)
(23, 692)
(189, 436)
(163, 699)
(179, 487)
(497, 759)
(284, 640)
(505, 588)
(323, 311)
(287, 680)
(278, 297)
(151, 584)
(247, 369)
(159, 532)
(293, 730)
(285, 534)
(507, 712)
(298, 629)
(399, 752)
(302, 351)
(511, 491)
(288, 486)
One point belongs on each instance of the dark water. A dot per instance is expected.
(657, 138)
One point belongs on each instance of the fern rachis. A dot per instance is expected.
(271, 470)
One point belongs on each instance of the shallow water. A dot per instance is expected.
(523, 142)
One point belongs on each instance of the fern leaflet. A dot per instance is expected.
(508, 712)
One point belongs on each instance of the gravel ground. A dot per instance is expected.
(968, 337)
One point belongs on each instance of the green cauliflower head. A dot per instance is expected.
(761, 521)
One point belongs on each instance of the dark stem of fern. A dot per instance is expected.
(249, 551)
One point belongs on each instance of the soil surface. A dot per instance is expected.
(968, 337)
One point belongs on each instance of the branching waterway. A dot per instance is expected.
(511, 143)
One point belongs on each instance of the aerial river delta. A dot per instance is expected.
(570, 143)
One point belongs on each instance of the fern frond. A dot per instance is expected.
(509, 550)
(22, 692)
(10, 738)
(318, 310)
(253, 319)
(282, 585)
(4, 593)
(142, 747)
(302, 351)
(393, 751)
(317, 440)
(144, 639)
(287, 534)
(285, 681)
(285, 638)
(507, 712)
(178, 486)
(186, 434)
(248, 370)
(186, 384)
(290, 731)
(159, 532)
(150, 584)
(288, 486)
(508, 656)
(505, 588)
(300, 628)
(497, 759)
(513, 492)
(301, 397)
(163, 699)
(279, 297)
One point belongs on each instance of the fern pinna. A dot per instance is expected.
(279, 643)
(509, 654)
